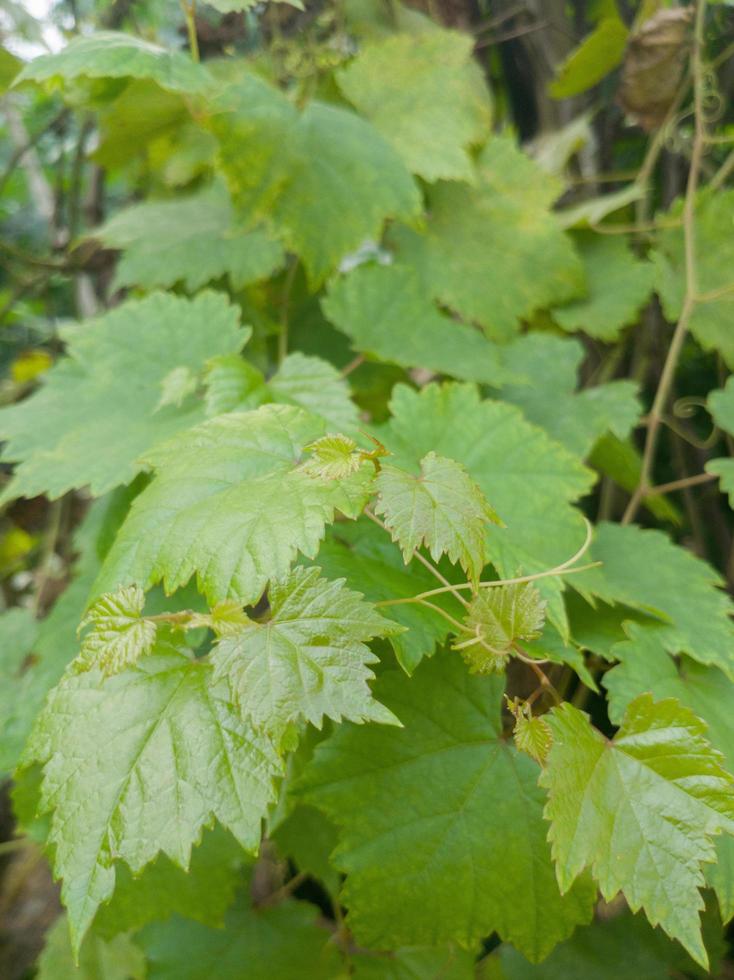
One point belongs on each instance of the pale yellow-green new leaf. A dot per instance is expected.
(497, 618)
(119, 635)
(441, 508)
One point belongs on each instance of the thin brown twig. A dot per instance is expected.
(682, 484)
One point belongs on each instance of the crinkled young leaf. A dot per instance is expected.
(497, 618)
(711, 319)
(618, 285)
(191, 240)
(641, 811)
(548, 395)
(139, 763)
(441, 508)
(647, 666)
(334, 457)
(98, 409)
(325, 177)
(231, 504)
(387, 313)
(308, 659)
(365, 556)
(441, 833)
(119, 635)
(645, 570)
(109, 54)
(533, 735)
(280, 942)
(427, 97)
(494, 253)
(530, 479)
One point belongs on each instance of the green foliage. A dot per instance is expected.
(283, 695)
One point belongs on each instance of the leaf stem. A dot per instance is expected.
(189, 11)
(689, 302)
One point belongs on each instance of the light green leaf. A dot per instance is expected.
(139, 763)
(645, 570)
(427, 97)
(18, 635)
(334, 457)
(108, 54)
(316, 385)
(549, 398)
(641, 811)
(724, 469)
(257, 944)
(325, 177)
(532, 734)
(592, 212)
(497, 618)
(370, 562)
(96, 411)
(598, 54)
(618, 286)
(230, 503)
(119, 636)
(622, 461)
(721, 406)
(190, 240)
(308, 659)
(234, 6)
(388, 314)
(441, 834)
(119, 958)
(494, 253)
(441, 508)
(412, 963)
(711, 319)
(530, 479)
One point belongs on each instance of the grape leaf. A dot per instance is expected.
(442, 963)
(589, 62)
(307, 838)
(109, 54)
(618, 285)
(370, 562)
(18, 634)
(647, 666)
(645, 570)
(496, 619)
(494, 253)
(118, 958)
(721, 406)
(257, 944)
(138, 764)
(119, 635)
(325, 177)
(203, 893)
(724, 469)
(308, 659)
(230, 502)
(191, 240)
(441, 508)
(413, 87)
(711, 319)
(549, 397)
(641, 811)
(530, 479)
(234, 6)
(433, 815)
(68, 433)
(386, 312)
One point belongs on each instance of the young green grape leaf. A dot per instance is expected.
(598, 54)
(334, 457)
(364, 555)
(530, 479)
(441, 508)
(494, 253)
(278, 942)
(413, 87)
(641, 811)
(69, 434)
(119, 635)
(325, 177)
(497, 618)
(548, 396)
(190, 240)
(710, 321)
(109, 54)
(137, 764)
(618, 285)
(231, 503)
(117, 958)
(386, 313)
(533, 735)
(645, 570)
(309, 659)
(647, 666)
(223, 619)
(431, 817)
